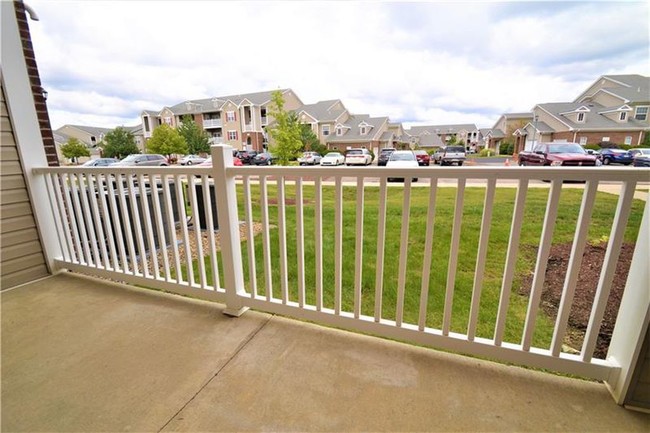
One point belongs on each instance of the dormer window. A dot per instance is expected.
(581, 117)
(362, 130)
(339, 131)
(622, 116)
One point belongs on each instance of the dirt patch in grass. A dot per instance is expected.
(587, 284)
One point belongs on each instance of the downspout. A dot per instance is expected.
(640, 136)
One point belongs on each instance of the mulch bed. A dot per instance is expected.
(585, 291)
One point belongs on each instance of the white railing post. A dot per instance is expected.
(633, 316)
(226, 198)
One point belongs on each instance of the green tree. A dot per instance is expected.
(285, 133)
(310, 141)
(198, 141)
(73, 149)
(165, 140)
(119, 143)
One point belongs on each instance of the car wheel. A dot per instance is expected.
(268, 162)
(189, 162)
(607, 161)
(460, 164)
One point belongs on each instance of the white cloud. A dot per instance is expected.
(424, 62)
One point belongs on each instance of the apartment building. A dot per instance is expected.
(236, 120)
(614, 108)
(504, 127)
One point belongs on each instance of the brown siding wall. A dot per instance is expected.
(37, 90)
(21, 256)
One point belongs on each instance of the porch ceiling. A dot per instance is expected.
(81, 354)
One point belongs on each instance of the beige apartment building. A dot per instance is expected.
(236, 120)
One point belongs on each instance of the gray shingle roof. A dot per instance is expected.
(443, 129)
(208, 104)
(351, 132)
(593, 120)
(518, 115)
(633, 88)
(323, 111)
(93, 130)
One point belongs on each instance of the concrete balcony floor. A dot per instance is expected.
(80, 354)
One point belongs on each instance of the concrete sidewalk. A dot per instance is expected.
(81, 354)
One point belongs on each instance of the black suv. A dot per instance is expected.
(247, 156)
(384, 155)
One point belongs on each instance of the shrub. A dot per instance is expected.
(506, 148)
(591, 147)
(487, 152)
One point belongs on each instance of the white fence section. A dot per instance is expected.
(285, 236)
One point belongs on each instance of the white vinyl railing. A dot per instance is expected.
(212, 123)
(155, 227)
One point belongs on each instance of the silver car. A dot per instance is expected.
(142, 160)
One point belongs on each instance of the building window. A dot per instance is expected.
(326, 130)
(622, 116)
(168, 120)
(581, 117)
(339, 131)
(230, 116)
(641, 113)
(605, 139)
(146, 124)
(232, 135)
(628, 140)
(362, 130)
(583, 140)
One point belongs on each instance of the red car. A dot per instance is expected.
(423, 157)
(208, 162)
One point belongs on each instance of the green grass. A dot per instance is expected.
(471, 222)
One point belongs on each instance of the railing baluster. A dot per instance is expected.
(55, 206)
(480, 258)
(358, 261)
(428, 255)
(113, 259)
(191, 188)
(135, 212)
(300, 243)
(338, 244)
(171, 224)
(116, 219)
(146, 217)
(82, 224)
(97, 219)
(511, 261)
(250, 244)
(318, 228)
(453, 257)
(209, 220)
(126, 219)
(575, 261)
(266, 241)
(66, 181)
(84, 192)
(403, 252)
(160, 228)
(282, 235)
(542, 262)
(180, 201)
(381, 247)
(609, 268)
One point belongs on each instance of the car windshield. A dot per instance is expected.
(130, 158)
(402, 156)
(617, 150)
(566, 148)
(387, 150)
(332, 155)
(354, 152)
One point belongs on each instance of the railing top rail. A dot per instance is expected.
(502, 173)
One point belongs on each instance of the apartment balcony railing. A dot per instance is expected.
(212, 123)
(144, 226)
(248, 127)
(265, 120)
(216, 140)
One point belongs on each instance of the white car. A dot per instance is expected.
(309, 158)
(333, 158)
(358, 157)
(402, 159)
(191, 160)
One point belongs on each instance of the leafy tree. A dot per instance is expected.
(196, 138)
(165, 140)
(119, 143)
(646, 140)
(310, 141)
(73, 149)
(285, 132)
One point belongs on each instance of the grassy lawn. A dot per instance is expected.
(471, 223)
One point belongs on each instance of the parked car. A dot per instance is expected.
(309, 158)
(641, 157)
(422, 157)
(557, 154)
(359, 156)
(333, 158)
(191, 160)
(402, 159)
(615, 156)
(448, 155)
(142, 160)
(208, 162)
(384, 154)
(100, 162)
(247, 156)
(263, 158)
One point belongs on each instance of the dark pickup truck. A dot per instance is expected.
(557, 154)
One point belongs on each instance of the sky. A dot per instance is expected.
(419, 63)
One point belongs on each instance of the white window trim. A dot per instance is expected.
(230, 116)
(622, 116)
(325, 129)
(605, 139)
(362, 130)
(645, 116)
(580, 117)
(583, 141)
(628, 140)
(232, 131)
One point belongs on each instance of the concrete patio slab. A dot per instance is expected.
(81, 354)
